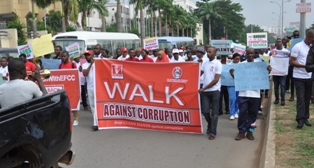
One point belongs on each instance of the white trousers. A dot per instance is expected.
(91, 100)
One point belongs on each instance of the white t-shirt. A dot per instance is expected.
(78, 64)
(90, 76)
(123, 58)
(204, 59)
(250, 93)
(16, 91)
(4, 71)
(210, 69)
(180, 59)
(300, 52)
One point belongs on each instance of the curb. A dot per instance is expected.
(267, 159)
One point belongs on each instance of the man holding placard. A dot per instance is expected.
(279, 62)
(302, 79)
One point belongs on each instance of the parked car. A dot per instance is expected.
(6, 52)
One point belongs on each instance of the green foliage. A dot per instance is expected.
(54, 20)
(134, 31)
(70, 28)
(111, 28)
(19, 26)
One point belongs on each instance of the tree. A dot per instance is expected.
(103, 14)
(19, 26)
(118, 16)
(41, 4)
(206, 12)
(140, 4)
(86, 6)
(53, 20)
(70, 12)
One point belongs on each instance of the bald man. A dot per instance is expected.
(302, 79)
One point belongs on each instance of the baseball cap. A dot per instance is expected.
(200, 49)
(180, 51)
(123, 49)
(88, 52)
(182, 47)
(175, 51)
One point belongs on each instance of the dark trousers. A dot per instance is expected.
(303, 91)
(280, 80)
(224, 96)
(248, 110)
(211, 100)
(289, 80)
(83, 95)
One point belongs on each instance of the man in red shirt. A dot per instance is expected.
(132, 56)
(145, 57)
(29, 65)
(67, 64)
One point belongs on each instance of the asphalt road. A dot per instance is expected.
(152, 149)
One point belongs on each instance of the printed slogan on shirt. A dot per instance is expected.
(147, 96)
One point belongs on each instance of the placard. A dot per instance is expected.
(27, 50)
(42, 45)
(73, 50)
(239, 48)
(50, 63)
(223, 46)
(151, 43)
(280, 65)
(225, 78)
(257, 40)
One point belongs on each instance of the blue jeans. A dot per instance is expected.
(233, 100)
(211, 99)
(280, 80)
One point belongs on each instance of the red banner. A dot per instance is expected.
(153, 96)
(68, 80)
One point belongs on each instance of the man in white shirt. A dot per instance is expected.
(124, 55)
(17, 90)
(176, 57)
(4, 68)
(88, 72)
(249, 102)
(280, 80)
(97, 51)
(302, 79)
(211, 91)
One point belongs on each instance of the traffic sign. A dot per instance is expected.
(303, 8)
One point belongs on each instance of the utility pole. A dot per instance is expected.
(302, 23)
(282, 35)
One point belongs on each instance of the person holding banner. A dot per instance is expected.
(66, 64)
(88, 72)
(132, 56)
(189, 56)
(97, 51)
(4, 68)
(125, 54)
(162, 57)
(18, 90)
(176, 57)
(210, 92)
(145, 57)
(302, 79)
(105, 54)
(249, 103)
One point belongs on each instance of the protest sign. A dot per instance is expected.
(251, 76)
(27, 50)
(265, 58)
(238, 48)
(257, 40)
(42, 45)
(280, 53)
(293, 42)
(50, 63)
(163, 97)
(223, 46)
(151, 43)
(280, 65)
(1, 79)
(68, 80)
(73, 50)
(226, 79)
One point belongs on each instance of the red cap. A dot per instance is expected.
(88, 52)
(182, 47)
(123, 49)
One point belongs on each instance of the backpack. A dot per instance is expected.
(61, 64)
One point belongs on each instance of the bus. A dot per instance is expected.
(175, 42)
(87, 40)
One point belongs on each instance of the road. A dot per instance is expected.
(152, 149)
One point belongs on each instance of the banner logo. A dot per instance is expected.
(177, 72)
(117, 71)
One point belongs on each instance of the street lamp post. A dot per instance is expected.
(279, 16)
(281, 9)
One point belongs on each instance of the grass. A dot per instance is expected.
(294, 147)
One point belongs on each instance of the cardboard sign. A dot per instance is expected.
(42, 45)
(27, 50)
(239, 48)
(68, 80)
(303, 7)
(257, 40)
(225, 78)
(223, 46)
(50, 63)
(73, 50)
(151, 43)
(280, 65)
(163, 97)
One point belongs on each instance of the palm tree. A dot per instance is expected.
(70, 12)
(140, 5)
(41, 4)
(86, 6)
(103, 14)
(118, 16)
(206, 12)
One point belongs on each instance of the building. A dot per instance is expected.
(188, 5)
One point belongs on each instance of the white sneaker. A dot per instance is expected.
(260, 112)
(232, 118)
(261, 106)
(236, 116)
(75, 123)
